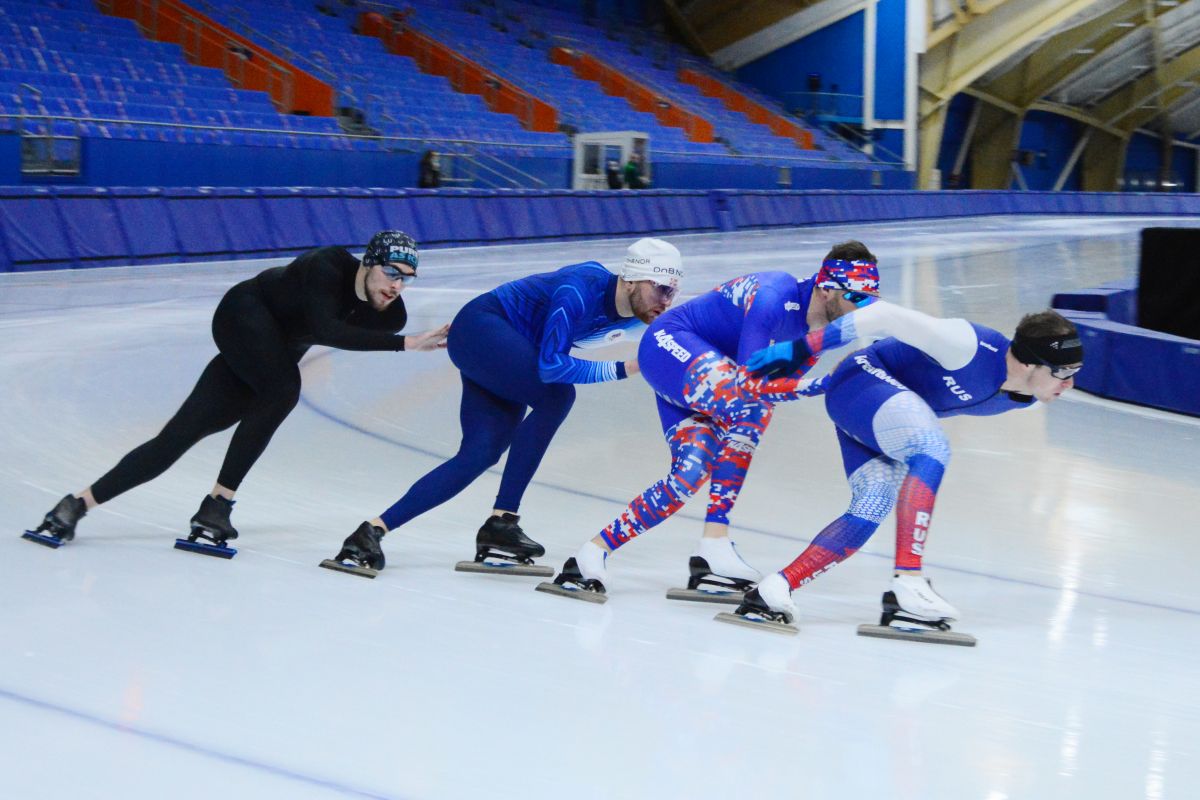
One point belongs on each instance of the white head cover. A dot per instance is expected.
(653, 260)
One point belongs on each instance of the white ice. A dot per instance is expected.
(1066, 535)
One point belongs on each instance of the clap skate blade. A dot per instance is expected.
(550, 587)
(705, 587)
(918, 634)
(732, 598)
(46, 539)
(217, 548)
(896, 623)
(497, 562)
(758, 622)
(350, 568)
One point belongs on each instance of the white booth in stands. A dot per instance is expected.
(597, 153)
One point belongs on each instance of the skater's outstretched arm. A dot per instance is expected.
(322, 286)
(950, 342)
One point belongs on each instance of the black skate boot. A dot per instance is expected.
(571, 583)
(212, 524)
(361, 553)
(501, 547)
(58, 526)
(756, 612)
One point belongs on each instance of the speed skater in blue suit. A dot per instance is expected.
(512, 347)
(885, 401)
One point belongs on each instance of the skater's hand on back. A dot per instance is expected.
(430, 340)
(778, 360)
(632, 368)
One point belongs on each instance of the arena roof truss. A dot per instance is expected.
(1118, 66)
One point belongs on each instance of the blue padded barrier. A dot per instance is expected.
(143, 214)
(33, 229)
(332, 221)
(447, 215)
(84, 226)
(396, 213)
(244, 219)
(494, 224)
(588, 217)
(511, 206)
(92, 225)
(197, 222)
(629, 211)
(363, 216)
(1116, 303)
(1140, 366)
(551, 214)
(288, 220)
(613, 212)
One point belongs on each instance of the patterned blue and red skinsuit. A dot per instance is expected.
(690, 356)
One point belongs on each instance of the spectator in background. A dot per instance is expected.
(633, 172)
(430, 176)
(612, 171)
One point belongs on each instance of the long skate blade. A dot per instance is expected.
(338, 566)
(220, 551)
(933, 637)
(703, 596)
(536, 570)
(43, 539)
(760, 624)
(575, 594)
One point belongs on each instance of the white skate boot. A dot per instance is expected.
(912, 603)
(582, 576)
(718, 574)
(768, 605)
(913, 610)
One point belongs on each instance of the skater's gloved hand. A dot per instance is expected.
(430, 340)
(779, 359)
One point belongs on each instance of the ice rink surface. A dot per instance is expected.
(1066, 535)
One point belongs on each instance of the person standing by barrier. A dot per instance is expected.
(262, 327)
(512, 346)
(430, 176)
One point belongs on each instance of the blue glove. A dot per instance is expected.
(779, 359)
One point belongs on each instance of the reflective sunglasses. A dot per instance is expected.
(859, 298)
(1062, 373)
(665, 293)
(393, 273)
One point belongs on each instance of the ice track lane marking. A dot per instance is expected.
(180, 744)
(345, 423)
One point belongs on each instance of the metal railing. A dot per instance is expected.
(825, 105)
(476, 165)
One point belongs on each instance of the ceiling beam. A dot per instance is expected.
(1068, 53)
(961, 59)
(1126, 108)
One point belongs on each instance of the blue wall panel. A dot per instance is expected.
(889, 61)
(835, 53)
